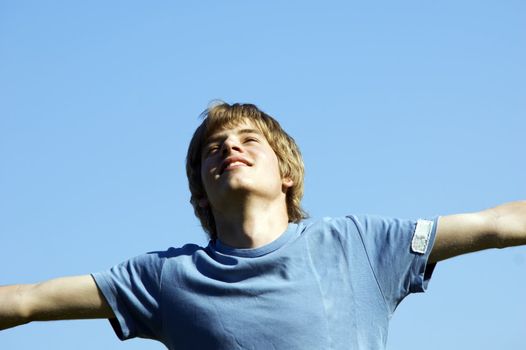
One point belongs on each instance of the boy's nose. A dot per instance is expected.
(230, 146)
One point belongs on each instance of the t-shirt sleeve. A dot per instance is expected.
(132, 290)
(398, 251)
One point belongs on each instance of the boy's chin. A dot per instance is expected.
(237, 183)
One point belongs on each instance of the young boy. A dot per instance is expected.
(269, 278)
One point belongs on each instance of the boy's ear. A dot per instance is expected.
(203, 203)
(287, 182)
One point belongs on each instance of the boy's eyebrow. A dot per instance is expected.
(250, 131)
(216, 137)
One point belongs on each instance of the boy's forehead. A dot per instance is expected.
(241, 126)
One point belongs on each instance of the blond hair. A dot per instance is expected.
(223, 115)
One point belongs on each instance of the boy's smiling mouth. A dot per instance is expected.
(232, 163)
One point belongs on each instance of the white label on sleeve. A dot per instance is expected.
(421, 237)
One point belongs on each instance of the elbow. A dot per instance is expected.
(495, 236)
(508, 224)
(499, 241)
(14, 311)
(22, 303)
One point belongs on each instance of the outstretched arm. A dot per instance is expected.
(499, 227)
(58, 299)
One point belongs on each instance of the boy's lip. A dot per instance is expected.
(231, 160)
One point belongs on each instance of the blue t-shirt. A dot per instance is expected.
(327, 284)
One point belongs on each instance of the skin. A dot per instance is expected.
(499, 227)
(58, 299)
(249, 205)
(248, 200)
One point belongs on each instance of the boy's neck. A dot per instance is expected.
(252, 226)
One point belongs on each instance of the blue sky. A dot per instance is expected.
(408, 109)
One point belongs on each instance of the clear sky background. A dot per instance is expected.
(406, 108)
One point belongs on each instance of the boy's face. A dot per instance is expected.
(237, 162)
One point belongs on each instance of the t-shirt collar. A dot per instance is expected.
(290, 233)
